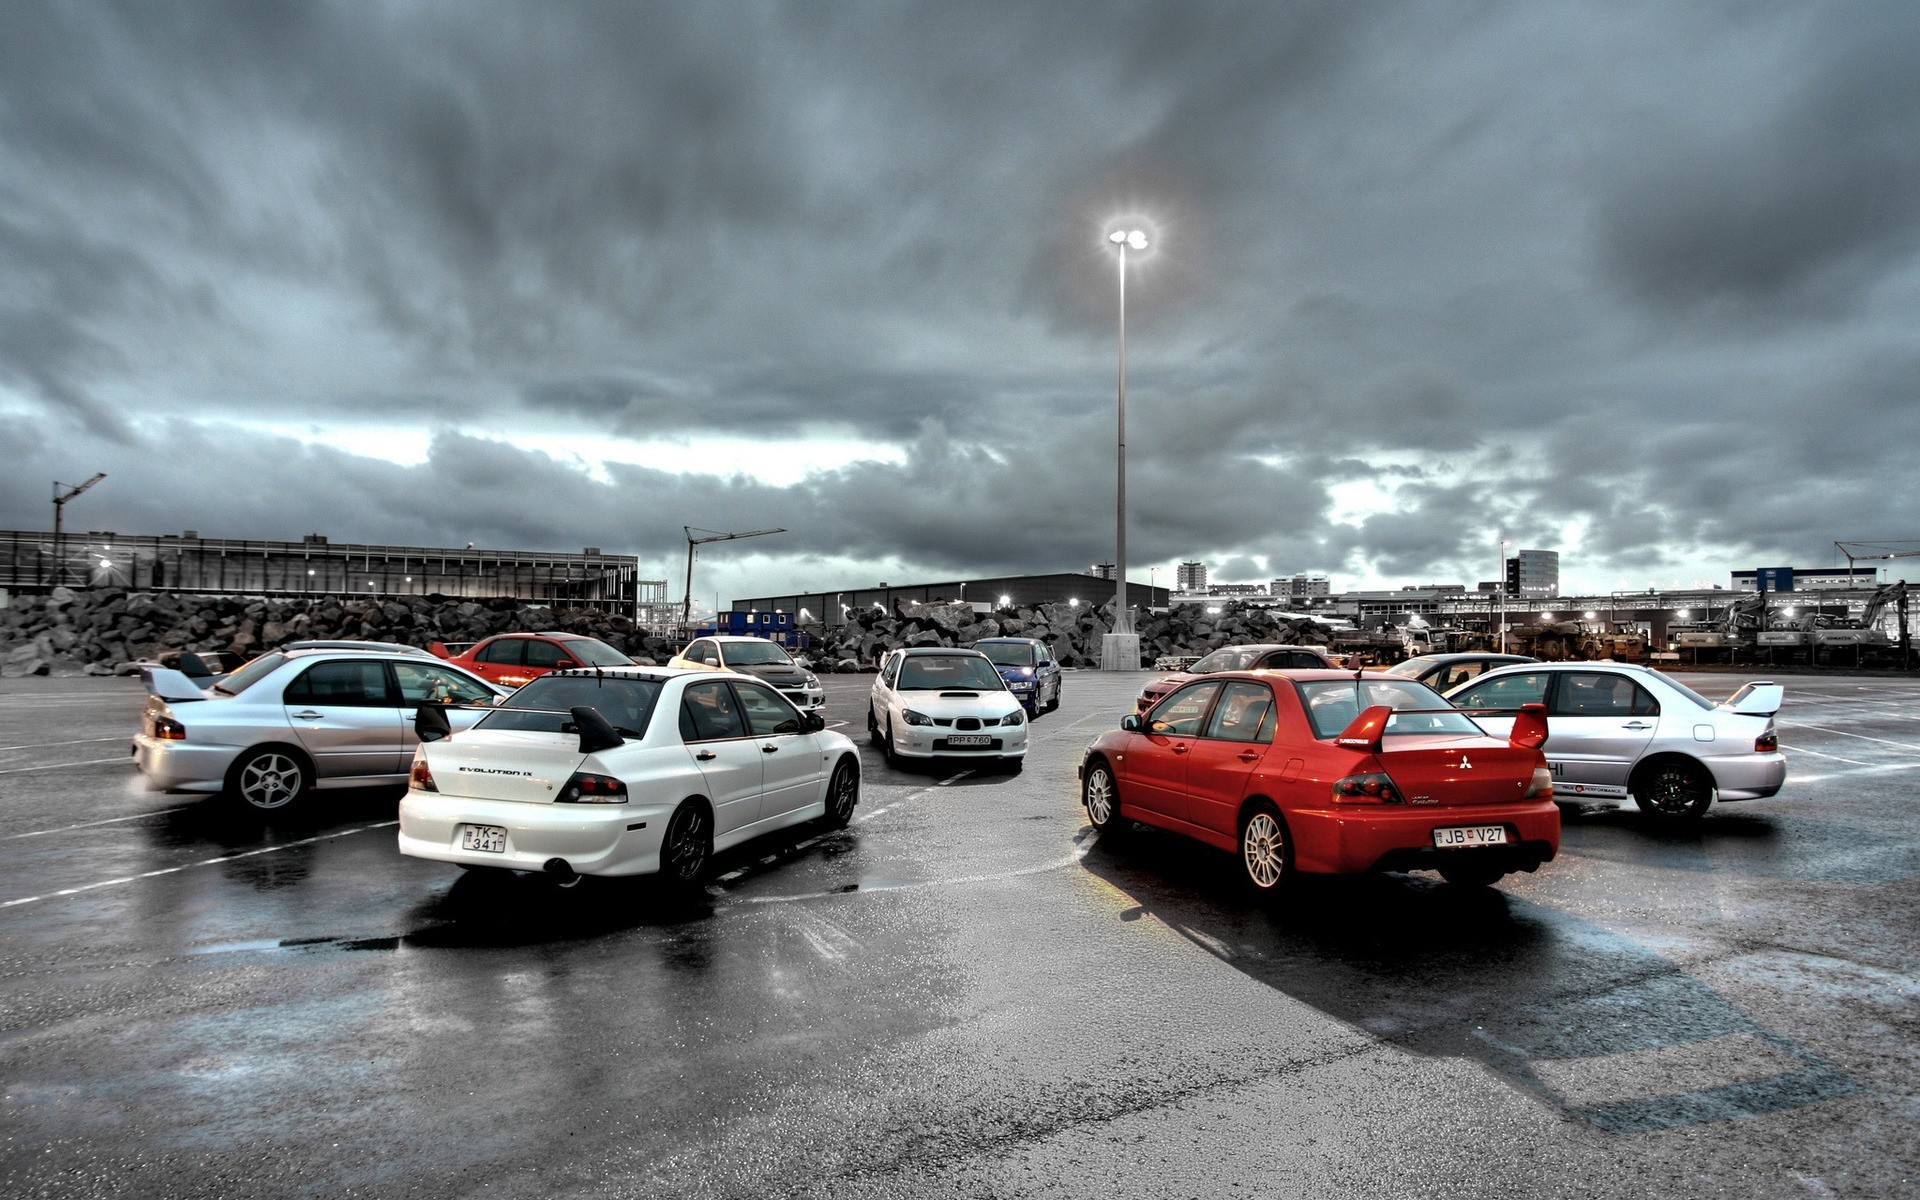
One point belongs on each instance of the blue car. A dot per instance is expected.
(1028, 666)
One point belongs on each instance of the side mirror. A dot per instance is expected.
(1530, 727)
(430, 723)
(1130, 722)
(815, 722)
(565, 664)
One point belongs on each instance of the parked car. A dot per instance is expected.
(1028, 666)
(757, 657)
(294, 721)
(932, 701)
(627, 771)
(1619, 730)
(1320, 772)
(1443, 672)
(511, 659)
(1258, 657)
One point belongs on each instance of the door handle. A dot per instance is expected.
(1637, 725)
(1179, 747)
(1249, 755)
(309, 715)
(769, 749)
(706, 756)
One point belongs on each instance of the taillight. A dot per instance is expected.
(169, 730)
(588, 788)
(1542, 784)
(422, 778)
(1766, 743)
(1372, 788)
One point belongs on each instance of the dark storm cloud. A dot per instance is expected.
(1642, 272)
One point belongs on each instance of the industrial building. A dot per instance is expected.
(1003, 591)
(315, 565)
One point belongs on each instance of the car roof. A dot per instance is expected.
(1579, 665)
(919, 651)
(1005, 640)
(732, 637)
(637, 671)
(1453, 656)
(351, 644)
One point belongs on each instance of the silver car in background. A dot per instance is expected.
(292, 721)
(1616, 730)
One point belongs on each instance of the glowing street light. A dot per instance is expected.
(1116, 651)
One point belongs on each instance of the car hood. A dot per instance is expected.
(775, 673)
(959, 703)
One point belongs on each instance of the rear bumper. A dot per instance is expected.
(1748, 776)
(171, 766)
(1400, 837)
(595, 839)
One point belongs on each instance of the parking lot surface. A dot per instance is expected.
(964, 994)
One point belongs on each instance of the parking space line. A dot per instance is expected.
(1863, 737)
(1818, 754)
(91, 762)
(158, 812)
(75, 742)
(205, 862)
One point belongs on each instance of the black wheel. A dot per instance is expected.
(1054, 702)
(270, 779)
(687, 846)
(886, 744)
(1102, 798)
(843, 792)
(1674, 792)
(873, 729)
(1266, 861)
(1472, 875)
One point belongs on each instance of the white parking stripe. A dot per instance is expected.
(158, 812)
(75, 742)
(205, 862)
(91, 762)
(1863, 737)
(1817, 754)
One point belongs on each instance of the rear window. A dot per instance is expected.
(1228, 658)
(544, 706)
(1008, 654)
(596, 653)
(1333, 704)
(250, 674)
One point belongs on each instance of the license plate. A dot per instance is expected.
(1462, 836)
(969, 739)
(491, 838)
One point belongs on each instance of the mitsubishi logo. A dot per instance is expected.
(1464, 764)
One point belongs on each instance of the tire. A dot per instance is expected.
(1101, 797)
(843, 793)
(1055, 701)
(270, 779)
(1674, 792)
(687, 846)
(873, 729)
(886, 745)
(1472, 875)
(1266, 855)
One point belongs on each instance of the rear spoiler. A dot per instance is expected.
(1529, 726)
(1761, 698)
(170, 685)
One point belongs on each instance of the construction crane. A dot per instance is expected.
(1865, 551)
(686, 607)
(60, 498)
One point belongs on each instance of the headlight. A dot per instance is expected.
(1017, 717)
(913, 718)
(813, 681)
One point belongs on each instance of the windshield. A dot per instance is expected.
(1332, 705)
(250, 674)
(1412, 667)
(755, 654)
(949, 672)
(1228, 658)
(1008, 654)
(545, 704)
(596, 653)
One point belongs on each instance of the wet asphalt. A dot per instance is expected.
(965, 994)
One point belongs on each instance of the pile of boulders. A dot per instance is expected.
(96, 631)
(1073, 631)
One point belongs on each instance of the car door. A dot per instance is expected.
(1231, 744)
(347, 718)
(884, 700)
(503, 661)
(544, 656)
(1154, 775)
(729, 758)
(466, 701)
(1598, 724)
(790, 763)
(1493, 700)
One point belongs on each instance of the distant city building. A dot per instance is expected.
(1190, 577)
(1534, 573)
(1102, 570)
(1233, 589)
(985, 594)
(1789, 579)
(1301, 586)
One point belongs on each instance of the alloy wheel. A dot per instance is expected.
(1263, 850)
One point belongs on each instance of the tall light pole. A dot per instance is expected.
(1500, 588)
(1120, 650)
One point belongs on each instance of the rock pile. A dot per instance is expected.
(94, 631)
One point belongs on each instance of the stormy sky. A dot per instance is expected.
(1637, 282)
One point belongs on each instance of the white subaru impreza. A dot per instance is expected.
(936, 702)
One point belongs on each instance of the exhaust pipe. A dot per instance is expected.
(561, 872)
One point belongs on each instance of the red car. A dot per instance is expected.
(1320, 772)
(510, 659)
(1260, 656)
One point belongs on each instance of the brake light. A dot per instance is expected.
(169, 730)
(1766, 743)
(588, 788)
(421, 779)
(1371, 788)
(1542, 785)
